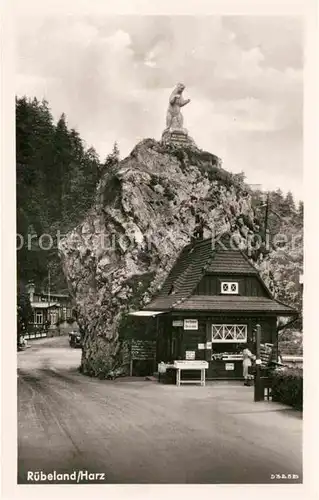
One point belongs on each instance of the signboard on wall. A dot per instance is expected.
(190, 355)
(190, 324)
(208, 345)
(143, 349)
(201, 346)
(178, 322)
(229, 366)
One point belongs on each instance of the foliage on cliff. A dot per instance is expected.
(283, 264)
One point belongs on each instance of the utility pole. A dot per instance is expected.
(267, 213)
(257, 388)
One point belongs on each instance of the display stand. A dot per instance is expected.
(190, 365)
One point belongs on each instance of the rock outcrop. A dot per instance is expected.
(147, 209)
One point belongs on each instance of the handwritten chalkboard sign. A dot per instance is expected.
(143, 349)
(265, 354)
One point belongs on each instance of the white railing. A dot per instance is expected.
(31, 336)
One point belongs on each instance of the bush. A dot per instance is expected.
(287, 387)
(71, 320)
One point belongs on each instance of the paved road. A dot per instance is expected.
(137, 431)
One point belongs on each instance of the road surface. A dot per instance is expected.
(138, 431)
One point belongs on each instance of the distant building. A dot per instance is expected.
(49, 309)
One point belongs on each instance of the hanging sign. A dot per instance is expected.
(190, 324)
(208, 345)
(201, 346)
(190, 355)
(178, 322)
(265, 354)
(229, 366)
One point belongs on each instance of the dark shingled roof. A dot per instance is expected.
(209, 256)
(162, 303)
(187, 270)
(204, 256)
(231, 261)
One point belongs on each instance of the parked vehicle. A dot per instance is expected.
(75, 339)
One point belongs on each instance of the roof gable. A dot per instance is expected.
(205, 257)
(230, 261)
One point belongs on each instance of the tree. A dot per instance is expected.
(299, 215)
(300, 209)
(112, 159)
(56, 185)
(24, 310)
(288, 207)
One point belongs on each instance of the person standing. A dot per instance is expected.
(247, 362)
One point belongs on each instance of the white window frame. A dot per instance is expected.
(229, 290)
(53, 317)
(233, 333)
(38, 314)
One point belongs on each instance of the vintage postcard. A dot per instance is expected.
(158, 323)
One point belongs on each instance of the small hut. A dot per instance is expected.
(209, 306)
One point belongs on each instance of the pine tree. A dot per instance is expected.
(288, 207)
(113, 158)
(56, 184)
(299, 215)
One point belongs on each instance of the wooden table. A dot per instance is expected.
(190, 365)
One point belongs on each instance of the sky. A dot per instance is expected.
(112, 77)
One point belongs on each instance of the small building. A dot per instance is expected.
(49, 309)
(209, 306)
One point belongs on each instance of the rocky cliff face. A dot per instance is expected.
(147, 209)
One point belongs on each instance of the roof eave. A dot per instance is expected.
(233, 273)
(267, 312)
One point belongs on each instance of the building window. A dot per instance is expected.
(229, 287)
(229, 333)
(39, 318)
(53, 317)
